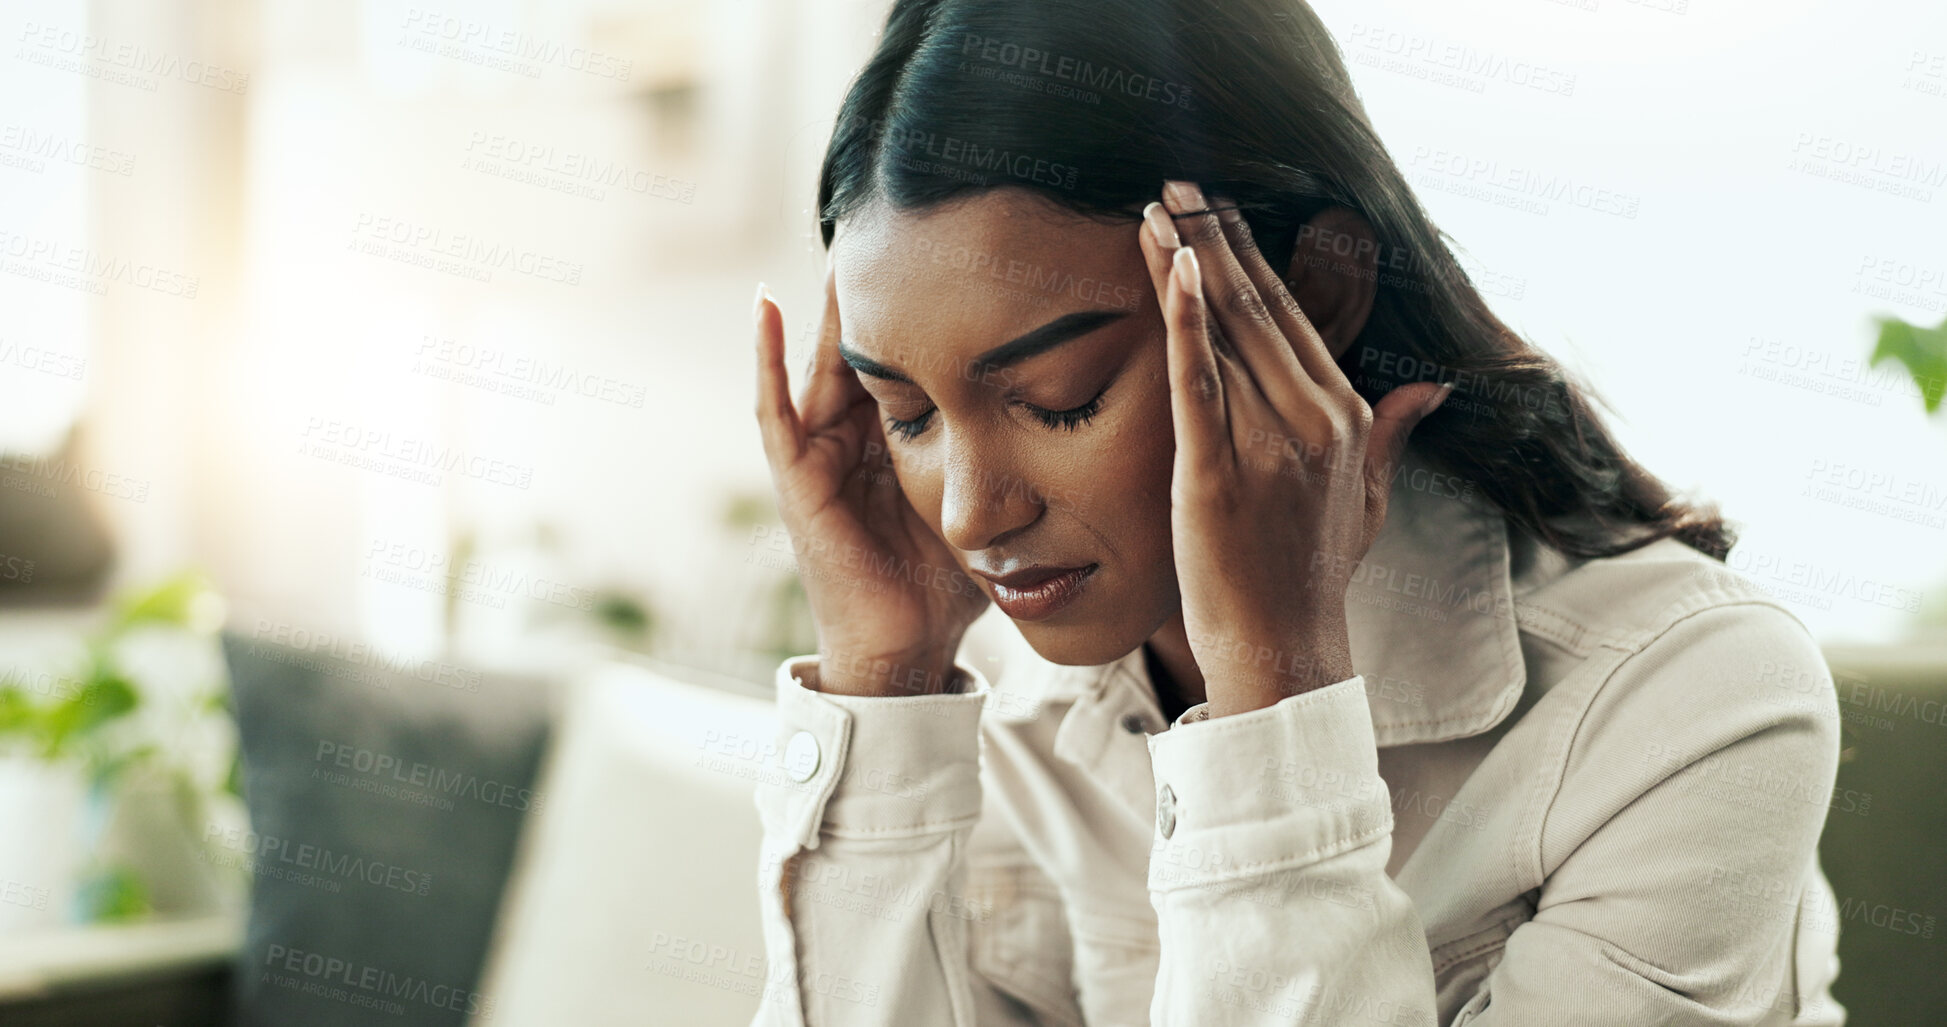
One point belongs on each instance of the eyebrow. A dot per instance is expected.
(1062, 329)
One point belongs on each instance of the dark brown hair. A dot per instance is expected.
(1093, 103)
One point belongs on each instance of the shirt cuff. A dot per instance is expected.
(1273, 789)
(871, 766)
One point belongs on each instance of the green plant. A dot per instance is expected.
(1922, 351)
(92, 719)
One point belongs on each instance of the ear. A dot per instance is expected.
(1334, 275)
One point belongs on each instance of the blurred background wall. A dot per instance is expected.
(424, 326)
(324, 245)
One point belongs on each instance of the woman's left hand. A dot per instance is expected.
(1281, 471)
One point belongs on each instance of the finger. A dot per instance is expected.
(1306, 344)
(1240, 311)
(831, 387)
(1393, 420)
(1197, 386)
(777, 418)
(1159, 245)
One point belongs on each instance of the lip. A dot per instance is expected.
(1037, 592)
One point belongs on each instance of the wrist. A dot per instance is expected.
(1244, 675)
(844, 671)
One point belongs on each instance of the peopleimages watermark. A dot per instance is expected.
(1926, 73)
(454, 253)
(285, 858)
(519, 375)
(31, 150)
(566, 171)
(48, 685)
(1474, 392)
(1343, 253)
(1450, 64)
(16, 568)
(81, 268)
(419, 460)
(1845, 376)
(1813, 584)
(1788, 902)
(364, 654)
(1052, 67)
(953, 157)
(880, 896)
(26, 896)
(1876, 490)
(122, 63)
(67, 472)
(726, 968)
(418, 567)
(1011, 276)
(442, 783)
(487, 45)
(362, 984)
(1837, 159)
(1514, 186)
(42, 360)
(1902, 281)
(1763, 786)
(994, 488)
(879, 568)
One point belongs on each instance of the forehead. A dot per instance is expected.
(988, 267)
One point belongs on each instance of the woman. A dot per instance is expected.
(1276, 717)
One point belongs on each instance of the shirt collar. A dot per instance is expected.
(1430, 612)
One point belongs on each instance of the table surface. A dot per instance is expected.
(50, 961)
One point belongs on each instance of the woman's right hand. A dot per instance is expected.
(890, 602)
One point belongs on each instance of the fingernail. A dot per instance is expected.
(1226, 209)
(1446, 389)
(757, 303)
(1181, 196)
(1184, 267)
(1161, 228)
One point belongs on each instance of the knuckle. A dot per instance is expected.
(1287, 304)
(1242, 300)
(1360, 416)
(1201, 230)
(1205, 383)
(1241, 236)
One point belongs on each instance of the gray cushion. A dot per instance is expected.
(385, 803)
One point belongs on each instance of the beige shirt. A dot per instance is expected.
(1557, 793)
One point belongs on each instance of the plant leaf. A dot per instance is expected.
(1923, 351)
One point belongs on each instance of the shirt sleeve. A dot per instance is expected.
(1677, 854)
(863, 872)
(1268, 871)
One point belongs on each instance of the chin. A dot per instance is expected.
(1084, 643)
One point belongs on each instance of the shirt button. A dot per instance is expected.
(1166, 811)
(801, 756)
(1135, 723)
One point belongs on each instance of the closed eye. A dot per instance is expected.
(908, 429)
(1064, 420)
(1069, 420)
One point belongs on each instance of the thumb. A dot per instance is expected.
(1393, 419)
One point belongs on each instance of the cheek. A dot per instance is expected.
(1150, 449)
(1126, 475)
(917, 475)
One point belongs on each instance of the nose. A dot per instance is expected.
(982, 500)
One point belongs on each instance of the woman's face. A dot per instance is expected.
(1016, 353)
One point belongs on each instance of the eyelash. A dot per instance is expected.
(1064, 420)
